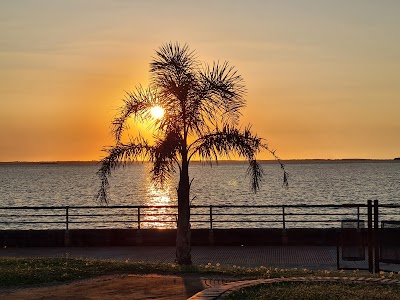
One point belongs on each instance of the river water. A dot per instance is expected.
(316, 182)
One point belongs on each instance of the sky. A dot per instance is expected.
(322, 77)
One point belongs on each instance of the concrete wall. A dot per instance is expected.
(165, 237)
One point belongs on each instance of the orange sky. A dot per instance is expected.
(322, 76)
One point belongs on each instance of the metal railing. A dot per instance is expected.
(202, 216)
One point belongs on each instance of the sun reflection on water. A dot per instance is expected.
(160, 217)
(159, 195)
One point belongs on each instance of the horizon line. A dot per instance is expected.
(220, 160)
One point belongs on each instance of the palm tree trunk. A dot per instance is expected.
(183, 236)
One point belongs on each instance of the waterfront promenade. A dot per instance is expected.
(310, 257)
(171, 287)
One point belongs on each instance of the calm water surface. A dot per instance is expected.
(225, 183)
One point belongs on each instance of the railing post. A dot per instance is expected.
(376, 236)
(67, 238)
(139, 238)
(283, 217)
(211, 231)
(67, 218)
(211, 217)
(284, 233)
(138, 217)
(370, 237)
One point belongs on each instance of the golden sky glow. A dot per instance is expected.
(322, 76)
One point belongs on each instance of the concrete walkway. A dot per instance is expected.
(310, 257)
(223, 290)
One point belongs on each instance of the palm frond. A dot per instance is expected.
(265, 146)
(136, 104)
(165, 155)
(231, 140)
(226, 141)
(256, 173)
(173, 70)
(117, 156)
(223, 87)
(173, 59)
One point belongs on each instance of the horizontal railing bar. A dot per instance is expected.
(121, 215)
(275, 221)
(276, 214)
(204, 214)
(160, 221)
(103, 215)
(130, 221)
(169, 221)
(286, 206)
(244, 214)
(313, 221)
(194, 214)
(22, 215)
(34, 222)
(89, 207)
(123, 206)
(105, 222)
(196, 206)
(199, 214)
(316, 214)
(33, 207)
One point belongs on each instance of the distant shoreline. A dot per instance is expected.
(290, 161)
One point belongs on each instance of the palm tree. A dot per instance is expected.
(202, 106)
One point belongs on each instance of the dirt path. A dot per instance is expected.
(115, 287)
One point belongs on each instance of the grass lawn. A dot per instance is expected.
(28, 272)
(316, 291)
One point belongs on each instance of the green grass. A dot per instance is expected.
(317, 291)
(22, 272)
(34, 271)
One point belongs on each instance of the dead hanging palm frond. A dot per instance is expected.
(273, 153)
(256, 173)
(120, 155)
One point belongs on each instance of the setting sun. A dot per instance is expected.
(157, 112)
